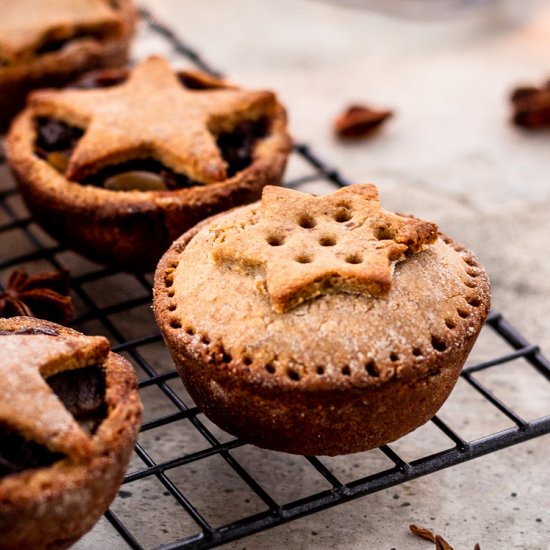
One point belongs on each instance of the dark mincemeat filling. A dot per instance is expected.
(56, 141)
(30, 330)
(143, 174)
(104, 78)
(53, 44)
(18, 453)
(82, 392)
(54, 136)
(193, 82)
(237, 146)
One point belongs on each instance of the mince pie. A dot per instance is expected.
(319, 325)
(49, 43)
(120, 167)
(69, 415)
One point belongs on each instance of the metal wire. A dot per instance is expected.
(208, 536)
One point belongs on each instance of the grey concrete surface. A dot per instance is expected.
(449, 155)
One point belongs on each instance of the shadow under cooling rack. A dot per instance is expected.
(220, 489)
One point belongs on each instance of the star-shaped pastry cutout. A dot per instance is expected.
(26, 24)
(153, 115)
(27, 403)
(307, 246)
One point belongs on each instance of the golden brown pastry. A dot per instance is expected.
(50, 43)
(120, 171)
(69, 415)
(319, 325)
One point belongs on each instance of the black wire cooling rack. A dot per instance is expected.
(176, 440)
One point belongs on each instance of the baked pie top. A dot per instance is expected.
(153, 115)
(53, 394)
(69, 416)
(28, 27)
(257, 314)
(306, 246)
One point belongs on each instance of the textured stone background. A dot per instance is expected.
(449, 155)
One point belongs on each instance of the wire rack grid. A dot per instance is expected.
(128, 307)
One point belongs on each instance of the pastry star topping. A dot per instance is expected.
(153, 115)
(31, 407)
(308, 246)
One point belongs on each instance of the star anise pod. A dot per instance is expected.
(532, 106)
(422, 532)
(359, 121)
(44, 295)
(440, 542)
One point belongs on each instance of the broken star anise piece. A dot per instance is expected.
(359, 121)
(531, 106)
(422, 532)
(440, 542)
(44, 295)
